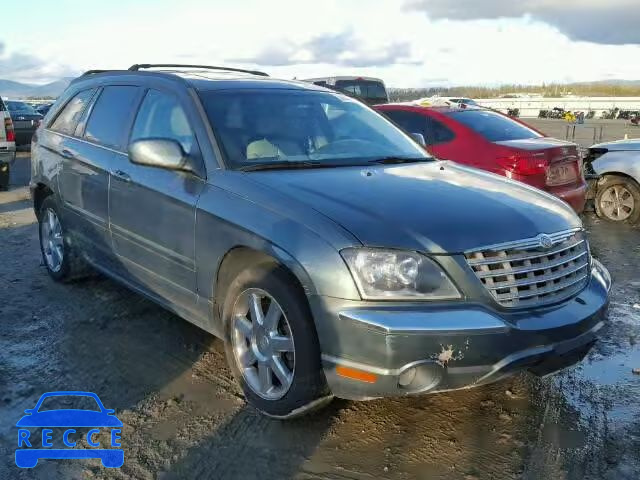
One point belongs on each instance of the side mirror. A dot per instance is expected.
(418, 138)
(160, 153)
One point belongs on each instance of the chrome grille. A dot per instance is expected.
(524, 274)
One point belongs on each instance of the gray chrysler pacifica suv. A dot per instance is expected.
(327, 249)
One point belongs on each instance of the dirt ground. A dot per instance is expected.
(184, 418)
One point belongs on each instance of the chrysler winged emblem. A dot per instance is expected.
(545, 241)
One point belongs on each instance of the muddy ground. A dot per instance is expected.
(184, 418)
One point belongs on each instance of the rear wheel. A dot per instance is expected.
(60, 257)
(271, 343)
(618, 199)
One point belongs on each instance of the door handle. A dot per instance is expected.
(121, 175)
(68, 154)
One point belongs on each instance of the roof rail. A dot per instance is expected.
(92, 72)
(140, 66)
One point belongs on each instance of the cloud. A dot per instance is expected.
(610, 22)
(26, 67)
(342, 49)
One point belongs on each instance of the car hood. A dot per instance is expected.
(439, 207)
(69, 418)
(620, 145)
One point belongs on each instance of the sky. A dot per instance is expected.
(408, 43)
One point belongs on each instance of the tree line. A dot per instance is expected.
(546, 90)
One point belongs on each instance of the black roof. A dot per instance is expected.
(202, 77)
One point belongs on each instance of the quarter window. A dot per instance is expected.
(410, 122)
(67, 119)
(161, 116)
(437, 132)
(108, 123)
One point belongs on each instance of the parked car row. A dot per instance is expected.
(7, 145)
(25, 120)
(331, 252)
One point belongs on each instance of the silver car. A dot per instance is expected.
(332, 254)
(613, 171)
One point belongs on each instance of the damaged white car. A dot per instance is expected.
(613, 171)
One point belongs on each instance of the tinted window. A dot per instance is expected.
(437, 132)
(161, 116)
(363, 88)
(110, 115)
(67, 119)
(494, 126)
(299, 126)
(410, 122)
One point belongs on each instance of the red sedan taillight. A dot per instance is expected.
(8, 126)
(525, 163)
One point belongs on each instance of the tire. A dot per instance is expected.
(273, 285)
(70, 266)
(5, 169)
(623, 206)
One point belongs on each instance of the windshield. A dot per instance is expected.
(465, 101)
(367, 89)
(494, 126)
(328, 129)
(21, 107)
(63, 402)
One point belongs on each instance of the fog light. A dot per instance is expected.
(407, 377)
(420, 377)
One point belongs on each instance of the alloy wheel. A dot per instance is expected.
(617, 203)
(52, 240)
(262, 344)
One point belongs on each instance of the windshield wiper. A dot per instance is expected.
(396, 160)
(282, 165)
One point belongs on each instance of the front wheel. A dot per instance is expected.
(271, 342)
(618, 199)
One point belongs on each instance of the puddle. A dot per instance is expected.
(605, 386)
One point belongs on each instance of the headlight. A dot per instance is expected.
(397, 275)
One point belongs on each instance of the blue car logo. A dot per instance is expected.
(28, 452)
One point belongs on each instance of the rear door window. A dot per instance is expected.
(110, 117)
(494, 126)
(67, 119)
(161, 116)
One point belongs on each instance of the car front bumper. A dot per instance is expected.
(381, 350)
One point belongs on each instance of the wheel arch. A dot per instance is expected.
(40, 192)
(605, 175)
(240, 257)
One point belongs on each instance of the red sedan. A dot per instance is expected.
(492, 141)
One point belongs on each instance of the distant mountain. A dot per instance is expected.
(11, 89)
(622, 83)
